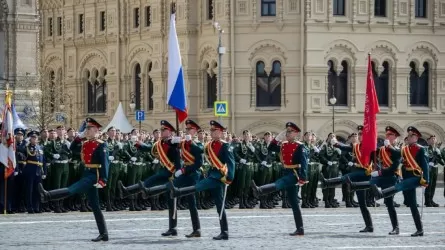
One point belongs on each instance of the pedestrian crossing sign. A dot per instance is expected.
(221, 108)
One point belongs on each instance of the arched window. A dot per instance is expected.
(381, 83)
(338, 83)
(137, 85)
(150, 88)
(268, 86)
(97, 89)
(212, 89)
(419, 85)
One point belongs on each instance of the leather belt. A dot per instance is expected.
(137, 163)
(115, 162)
(61, 162)
(291, 166)
(93, 165)
(35, 163)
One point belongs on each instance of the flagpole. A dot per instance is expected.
(173, 10)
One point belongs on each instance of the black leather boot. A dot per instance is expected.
(53, 195)
(330, 183)
(417, 221)
(180, 192)
(130, 190)
(156, 190)
(368, 221)
(195, 224)
(379, 194)
(394, 222)
(362, 185)
(102, 226)
(224, 235)
(263, 190)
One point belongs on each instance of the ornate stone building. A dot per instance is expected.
(19, 27)
(284, 60)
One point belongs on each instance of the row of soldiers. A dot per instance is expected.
(53, 157)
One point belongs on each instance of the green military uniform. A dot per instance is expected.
(115, 154)
(265, 171)
(346, 164)
(309, 191)
(330, 157)
(434, 159)
(58, 152)
(133, 168)
(47, 181)
(246, 157)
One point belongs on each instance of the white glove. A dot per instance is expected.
(188, 137)
(334, 141)
(43, 177)
(40, 152)
(281, 136)
(111, 158)
(56, 156)
(16, 173)
(134, 138)
(242, 161)
(155, 161)
(121, 146)
(330, 163)
(133, 159)
(431, 164)
(264, 163)
(68, 144)
(316, 150)
(178, 173)
(176, 139)
(252, 148)
(97, 185)
(350, 164)
(375, 174)
(387, 143)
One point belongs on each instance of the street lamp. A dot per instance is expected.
(333, 101)
(221, 51)
(132, 103)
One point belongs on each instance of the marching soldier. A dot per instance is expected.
(265, 169)
(95, 161)
(330, 157)
(389, 158)
(220, 155)
(168, 154)
(189, 175)
(434, 158)
(347, 163)
(33, 173)
(58, 151)
(76, 159)
(294, 157)
(361, 172)
(415, 173)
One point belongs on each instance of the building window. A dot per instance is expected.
(339, 8)
(97, 89)
(212, 90)
(421, 8)
(381, 83)
(136, 18)
(419, 85)
(59, 26)
(81, 23)
(137, 85)
(102, 22)
(50, 26)
(150, 88)
(210, 9)
(268, 7)
(380, 8)
(268, 87)
(147, 16)
(338, 83)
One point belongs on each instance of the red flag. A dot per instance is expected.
(369, 139)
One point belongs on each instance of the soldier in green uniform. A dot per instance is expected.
(220, 155)
(306, 196)
(114, 151)
(347, 163)
(265, 169)
(246, 156)
(294, 157)
(330, 158)
(43, 141)
(58, 152)
(95, 160)
(434, 159)
(315, 167)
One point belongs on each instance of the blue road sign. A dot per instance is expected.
(140, 115)
(221, 108)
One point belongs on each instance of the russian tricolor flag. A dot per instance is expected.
(176, 97)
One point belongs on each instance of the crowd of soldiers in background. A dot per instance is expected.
(62, 167)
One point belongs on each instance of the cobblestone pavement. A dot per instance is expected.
(249, 229)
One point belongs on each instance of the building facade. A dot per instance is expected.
(284, 60)
(19, 27)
